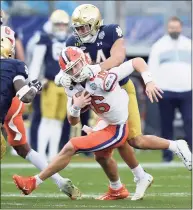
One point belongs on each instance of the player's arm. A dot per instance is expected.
(118, 73)
(26, 93)
(125, 69)
(74, 106)
(118, 54)
(73, 113)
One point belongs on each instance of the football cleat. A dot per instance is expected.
(67, 187)
(183, 152)
(115, 194)
(25, 184)
(142, 185)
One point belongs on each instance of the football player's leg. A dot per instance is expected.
(98, 140)
(84, 118)
(186, 111)
(57, 121)
(44, 127)
(17, 139)
(142, 179)
(116, 189)
(49, 125)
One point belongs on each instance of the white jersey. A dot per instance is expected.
(8, 33)
(109, 100)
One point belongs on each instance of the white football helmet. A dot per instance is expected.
(73, 62)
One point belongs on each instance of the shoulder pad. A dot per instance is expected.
(72, 41)
(110, 82)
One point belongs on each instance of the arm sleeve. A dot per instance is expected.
(22, 70)
(123, 70)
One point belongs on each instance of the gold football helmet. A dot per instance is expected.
(86, 21)
(60, 23)
(6, 48)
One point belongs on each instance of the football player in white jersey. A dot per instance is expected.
(99, 92)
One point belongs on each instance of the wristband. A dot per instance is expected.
(146, 77)
(74, 111)
(20, 93)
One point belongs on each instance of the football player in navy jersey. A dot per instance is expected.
(13, 79)
(14, 90)
(53, 99)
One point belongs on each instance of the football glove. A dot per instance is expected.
(63, 80)
(36, 84)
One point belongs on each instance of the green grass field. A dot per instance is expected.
(171, 188)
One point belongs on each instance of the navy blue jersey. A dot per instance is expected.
(54, 47)
(10, 68)
(99, 51)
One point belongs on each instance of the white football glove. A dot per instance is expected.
(88, 72)
(85, 74)
(63, 80)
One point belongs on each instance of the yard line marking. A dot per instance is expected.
(96, 165)
(92, 195)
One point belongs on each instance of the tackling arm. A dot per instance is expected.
(118, 54)
(25, 93)
(128, 67)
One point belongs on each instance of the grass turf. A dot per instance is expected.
(171, 188)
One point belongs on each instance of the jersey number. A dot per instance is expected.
(100, 57)
(101, 107)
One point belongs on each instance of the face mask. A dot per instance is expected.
(174, 35)
(60, 35)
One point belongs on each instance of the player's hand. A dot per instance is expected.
(63, 80)
(85, 74)
(153, 92)
(37, 84)
(82, 100)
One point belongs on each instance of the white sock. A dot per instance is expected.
(138, 172)
(38, 180)
(172, 146)
(40, 162)
(116, 185)
(54, 139)
(43, 136)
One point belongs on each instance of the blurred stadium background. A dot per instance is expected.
(143, 23)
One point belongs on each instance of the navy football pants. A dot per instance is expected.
(171, 101)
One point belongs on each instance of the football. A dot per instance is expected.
(86, 108)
